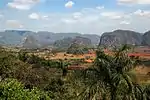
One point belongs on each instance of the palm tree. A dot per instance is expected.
(146, 92)
(111, 74)
(64, 67)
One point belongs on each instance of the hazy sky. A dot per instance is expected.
(85, 16)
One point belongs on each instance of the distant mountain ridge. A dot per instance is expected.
(45, 38)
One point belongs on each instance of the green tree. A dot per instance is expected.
(146, 92)
(22, 56)
(7, 63)
(64, 67)
(111, 75)
(11, 89)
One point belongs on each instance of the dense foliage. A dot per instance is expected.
(28, 77)
(111, 77)
(11, 89)
(32, 59)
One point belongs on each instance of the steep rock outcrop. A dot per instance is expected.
(120, 37)
(146, 39)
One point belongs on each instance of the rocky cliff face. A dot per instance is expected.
(94, 38)
(66, 42)
(82, 40)
(79, 45)
(120, 37)
(146, 39)
(44, 38)
(30, 43)
(63, 43)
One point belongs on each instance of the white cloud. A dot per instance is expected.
(125, 22)
(142, 13)
(14, 24)
(100, 7)
(90, 10)
(87, 20)
(34, 16)
(22, 4)
(133, 2)
(77, 15)
(1, 16)
(45, 17)
(92, 20)
(69, 4)
(68, 21)
(112, 15)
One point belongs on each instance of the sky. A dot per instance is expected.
(82, 16)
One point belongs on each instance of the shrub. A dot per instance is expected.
(11, 89)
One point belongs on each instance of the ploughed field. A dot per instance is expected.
(142, 72)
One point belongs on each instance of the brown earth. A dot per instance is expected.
(142, 72)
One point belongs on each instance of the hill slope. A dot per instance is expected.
(146, 39)
(45, 38)
(66, 42)
(119, 37)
